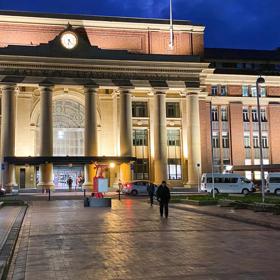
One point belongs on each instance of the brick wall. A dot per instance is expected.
(237, 134)
(142, 41)
(274, 127)
(273, 91)
(204, 115)
(234, 90)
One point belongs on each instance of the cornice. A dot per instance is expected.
(141, 26)
(100, 69)
(214, 79)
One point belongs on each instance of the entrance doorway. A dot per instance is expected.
(62, 173)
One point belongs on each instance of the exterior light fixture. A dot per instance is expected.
(260, 81)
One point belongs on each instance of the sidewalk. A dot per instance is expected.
(264, 219)
(10, 221)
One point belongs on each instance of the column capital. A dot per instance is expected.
(157, 91)
(46, 87)
(91, 88)
(124, 90)
(8, 87)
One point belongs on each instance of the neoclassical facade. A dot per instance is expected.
(79, 90)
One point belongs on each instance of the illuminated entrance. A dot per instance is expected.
(62, 173)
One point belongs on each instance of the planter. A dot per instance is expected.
(199, 202)
(97, 202)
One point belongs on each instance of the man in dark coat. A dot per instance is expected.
(151, 192)
(163, 196)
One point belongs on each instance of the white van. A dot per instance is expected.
(273, 183)
(226, 183)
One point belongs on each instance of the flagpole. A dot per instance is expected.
(171, 40)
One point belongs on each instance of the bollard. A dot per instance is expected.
(49, 194)
(84, 192)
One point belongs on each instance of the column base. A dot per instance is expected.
(88, 186)
(9, 187)
(46, 177)
(125, 172)
(46, 186)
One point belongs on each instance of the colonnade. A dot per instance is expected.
(90, 133)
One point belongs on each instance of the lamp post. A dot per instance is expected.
(212, 152)
(259, 82)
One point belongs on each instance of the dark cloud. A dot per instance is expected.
(229, 23)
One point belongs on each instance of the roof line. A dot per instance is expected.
(93, 17)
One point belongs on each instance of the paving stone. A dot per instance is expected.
(64, 240)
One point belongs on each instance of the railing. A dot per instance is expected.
(216, 153)
(215, 125)
(226, 153)
(255, 126)
(257, 153)
(264, 126)
(247, 153)
(265, 153)
(225, 126)
(246, 126)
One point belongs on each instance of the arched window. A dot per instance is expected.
(68, 128)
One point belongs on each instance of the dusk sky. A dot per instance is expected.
(252, 24)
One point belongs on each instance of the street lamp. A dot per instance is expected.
(260, 81)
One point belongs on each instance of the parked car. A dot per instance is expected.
(2, 191)
(226, 183)
(273, 183)
(137, 187)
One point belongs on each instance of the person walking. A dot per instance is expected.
(163, 196)
(69, 183)
(151, 192)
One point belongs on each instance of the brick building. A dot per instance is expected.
(80, 89)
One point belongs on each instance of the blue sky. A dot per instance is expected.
(252, 24)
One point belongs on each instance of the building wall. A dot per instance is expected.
(274, 117)
(134, 37)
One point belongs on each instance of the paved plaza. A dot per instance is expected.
(64, 240)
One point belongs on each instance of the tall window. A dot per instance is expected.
(215, 115)
(256, 142)
(264, 141)
(253, 91)
(172, 110)
(245, 114)
(224, 114)
(140, 109)
(247, 141)
(214, 90)
(245, 91)
(254, 114)
(173, 137)
(174, 169)
(216, 142)
(223, 90)
(140, 137)
(263, 91)
(225, 140)
(141, 169)
(68, 128)
(263, 115)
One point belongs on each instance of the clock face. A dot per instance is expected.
(69, 40)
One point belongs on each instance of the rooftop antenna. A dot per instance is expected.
(171, 39)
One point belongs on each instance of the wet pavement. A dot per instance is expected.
(64, 240)
(8, 215)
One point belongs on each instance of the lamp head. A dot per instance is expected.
(260, 80)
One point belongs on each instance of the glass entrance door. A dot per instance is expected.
(62, 173)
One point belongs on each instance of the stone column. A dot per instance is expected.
(8, 134)
(125, 132)
(160, 138)
(90, 134)
(46, 136)
(193, 137)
